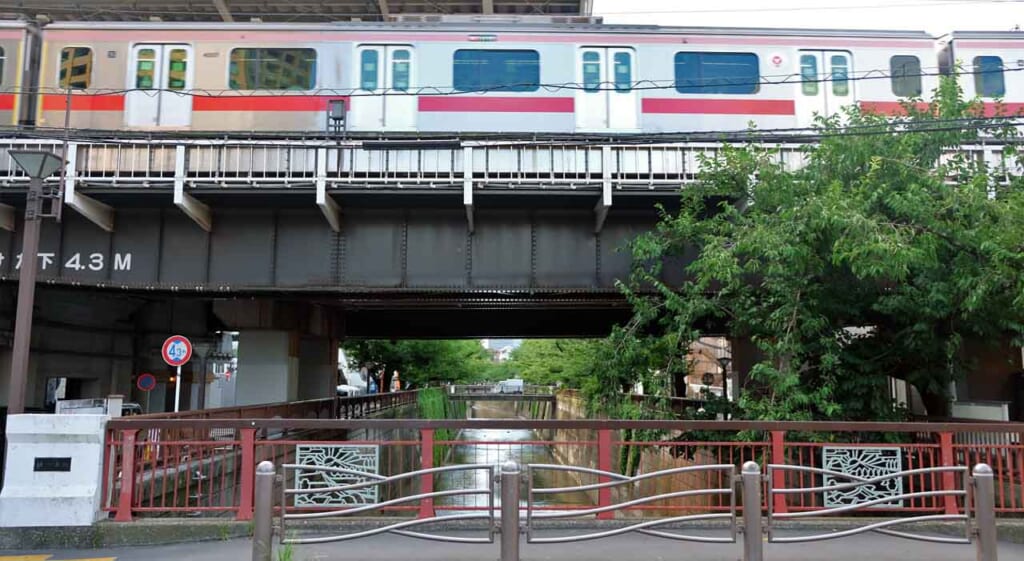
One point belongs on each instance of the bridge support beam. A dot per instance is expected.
(328, 206)
(98, 213)
(188, 204)
(6, 217)
(467, 185)
(604, 204)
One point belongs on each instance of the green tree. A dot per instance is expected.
(878, 257)
(422, 362)
(554, 361)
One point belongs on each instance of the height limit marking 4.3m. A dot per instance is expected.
(177, 350)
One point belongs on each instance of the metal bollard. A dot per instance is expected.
(753, 546)
(510, 511)
(263, 531)
(985, 513)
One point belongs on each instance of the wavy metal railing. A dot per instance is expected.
(640, 527)
(374, 479)
(878, 527)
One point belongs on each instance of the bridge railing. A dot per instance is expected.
(187, 163)
(180, 467)
(744, 485)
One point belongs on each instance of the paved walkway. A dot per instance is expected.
(630, 547)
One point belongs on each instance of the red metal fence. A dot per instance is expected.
(179, 467)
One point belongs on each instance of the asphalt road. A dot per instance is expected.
(630, 547)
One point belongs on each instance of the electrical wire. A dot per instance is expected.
(640, 85)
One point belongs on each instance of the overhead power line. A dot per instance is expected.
(794, 78)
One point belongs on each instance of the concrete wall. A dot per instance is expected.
(268, 367)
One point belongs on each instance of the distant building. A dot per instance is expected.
(500, 349)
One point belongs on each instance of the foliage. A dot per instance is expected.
(433, 403)
(864, 263)
(423, 362)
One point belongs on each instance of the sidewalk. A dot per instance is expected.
(629, 547)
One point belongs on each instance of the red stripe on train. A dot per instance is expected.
(896, 108)
(720, 106)
(480, 104)
(7, 102)
(84, 102)
(263, 102)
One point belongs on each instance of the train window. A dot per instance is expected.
(400, 70)
(905, 75)
(75, 68)
(840, 75)
(988, 76)
(177, 69)
(272, 69)
(717, 73)
(591, 71)
(368, 73)
(809, 74)
(145, 69)
(623, 72)
(504, 70)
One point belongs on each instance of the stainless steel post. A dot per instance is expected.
(21, 349)
(753, 546)
(510, 511)
(263, 532)
(985, 513)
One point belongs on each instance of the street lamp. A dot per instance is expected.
(723, 363)
(38, 165)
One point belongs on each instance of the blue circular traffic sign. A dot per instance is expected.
(177, 350)
(146, 382)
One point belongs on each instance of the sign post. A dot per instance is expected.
(177, 350)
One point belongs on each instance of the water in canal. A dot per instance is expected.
(494, 447)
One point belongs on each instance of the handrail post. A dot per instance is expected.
(248, 461)
(263, 531)
(753, 546)
(948, 477)
(778, 438)
(124, 501)
(510, 511)
(604, 463)
(427, 480)
(985, 513)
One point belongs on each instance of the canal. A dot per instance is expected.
(494, 447)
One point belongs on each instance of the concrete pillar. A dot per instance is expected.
(318, 367)
(268, 367)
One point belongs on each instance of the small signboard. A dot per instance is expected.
(146, 382)
(177, 350)
(51, 464)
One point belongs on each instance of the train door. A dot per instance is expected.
(825, 85)
(160, 81)
(606, 100)
(385, 75)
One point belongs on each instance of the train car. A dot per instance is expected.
(17, 40)
(467, 77)
(991, 64)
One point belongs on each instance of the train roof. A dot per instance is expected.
(997, 35)
(494, 27)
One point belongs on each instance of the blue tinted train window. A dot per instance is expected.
(809, 74)
(368, 70)
(400, 70)
(623, 72)
(717, 73)
(591, 71)
(988, 76)
(840, 75)
(905, 73)
(501, 70)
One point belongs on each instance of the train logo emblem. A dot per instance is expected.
(177, 350)
(777, 60)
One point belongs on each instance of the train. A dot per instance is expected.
(481, 77)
